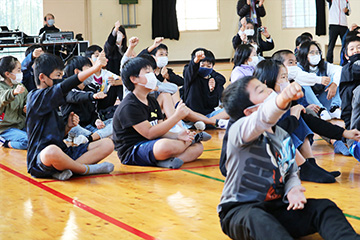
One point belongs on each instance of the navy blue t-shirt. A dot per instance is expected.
(45, 125)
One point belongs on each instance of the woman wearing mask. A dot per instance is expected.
(12, 105)
(248, 34)
(49, 26)
(327, 97)
(245, 61)
(114, 48)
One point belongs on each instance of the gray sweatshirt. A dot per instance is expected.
(260, 165)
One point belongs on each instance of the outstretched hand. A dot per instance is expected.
(290, 93)
(101, 61)
(199, 55)
(296, 198)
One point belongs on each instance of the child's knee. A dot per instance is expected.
(107, 145)
(167, 148)
(199, 149)
(50, 153)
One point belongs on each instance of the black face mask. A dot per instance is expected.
(354, 58)
(56, 81)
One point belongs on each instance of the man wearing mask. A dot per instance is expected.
(49, 24)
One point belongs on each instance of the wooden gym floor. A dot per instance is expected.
(143, 202)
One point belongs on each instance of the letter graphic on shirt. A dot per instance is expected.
(254, 179)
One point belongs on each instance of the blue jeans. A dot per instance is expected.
(321, 99)
(17, 138)
(90, 129)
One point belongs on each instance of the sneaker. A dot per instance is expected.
(336, 113)
(2, 141)
(200, 125)
(80, 140)
(221, 123)
(355, 150)
(201, 137)
(324, 115)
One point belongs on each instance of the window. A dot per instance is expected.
(23, 15)
(197, 14)
(298, 13)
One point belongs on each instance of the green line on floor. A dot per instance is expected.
(208, 150)
(351, 216)
(221, 180)
(203, 175)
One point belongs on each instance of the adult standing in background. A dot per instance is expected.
(338, 10)
(49, 26)
(253, 9)
(115, 47)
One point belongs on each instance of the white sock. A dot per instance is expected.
(64, 175)
(100, 168)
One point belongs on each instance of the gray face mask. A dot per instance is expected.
(51, 22)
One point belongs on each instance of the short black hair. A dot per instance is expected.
(46, 63)
(49, 14)
(7, 64)
(349, 39)
(151, 59)
(236, 98)
(76, 62)
(307, 34)
(279, 55)
(161, 46)
(242, 53)
(209, 56)
(132, 68)
(90, 50)
(301, 39)
(267, 71)
(32, 48)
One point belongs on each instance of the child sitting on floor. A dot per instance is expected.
(12, 105)
(47, 155)
(140, 135)
(203, 87)
(262, 196)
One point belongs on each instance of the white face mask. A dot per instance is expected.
(283, 85)
(51, 22)
(119, 37)
(254, 61)
(162, 61)
(249, 32)
(151, 81)
(292, 72)
(18, 78)
(93, 58)
(314, 59)
(272, 95)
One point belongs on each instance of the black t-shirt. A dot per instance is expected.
(46, 28)
(130, 112)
